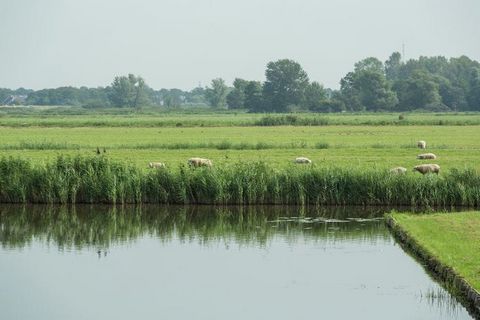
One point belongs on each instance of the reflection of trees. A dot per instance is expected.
(101, 226)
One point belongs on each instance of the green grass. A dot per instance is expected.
(200, 117)
(98, 179)
(366, 147)
(453, 238)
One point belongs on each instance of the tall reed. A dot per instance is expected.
(100, 180)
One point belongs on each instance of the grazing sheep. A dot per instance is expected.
(422, 144)
(302, 160)
(200, 162)
(156, 165)
(398, 170)
(426, 156)
(427, 168)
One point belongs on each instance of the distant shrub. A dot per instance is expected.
(322, 145)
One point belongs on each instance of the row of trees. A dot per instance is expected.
(125, 91)
(428, 83)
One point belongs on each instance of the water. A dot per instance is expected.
(210, 263)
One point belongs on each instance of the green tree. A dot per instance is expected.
(285, 85)
(417, 92)
(392, 66)
(315, 96)
(366, 88)
(236, 97)
(128, 91)
(254, 97)
(216, 95)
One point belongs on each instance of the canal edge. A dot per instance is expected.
(467, 293)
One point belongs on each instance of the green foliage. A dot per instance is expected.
(315, 97)
(367, 88)
(99, 180)
(128, 91)
(217, 94)
(254, 100)
(285, 85)
(236, 97)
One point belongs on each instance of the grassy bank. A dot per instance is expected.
(101, 180)
(449, 244)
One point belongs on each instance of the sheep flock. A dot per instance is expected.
(422, 168)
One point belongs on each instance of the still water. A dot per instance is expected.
(210, 263)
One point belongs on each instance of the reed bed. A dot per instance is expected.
(100, 180)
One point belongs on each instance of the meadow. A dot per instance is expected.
(206, 117)
(372, 147)
(253, 164)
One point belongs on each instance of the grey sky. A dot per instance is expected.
(179, 43)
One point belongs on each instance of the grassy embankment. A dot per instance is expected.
(449, 244)
(100, 180)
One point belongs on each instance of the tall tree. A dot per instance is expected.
(216, 95)
(236, 97)
(315, 96)
(366, 88)
(128, 91)
(392, 66)
(285, 85)
(254, 97)
(418, 91)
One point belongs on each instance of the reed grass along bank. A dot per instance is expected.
(101, 180)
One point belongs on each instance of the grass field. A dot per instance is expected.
(453, 238)
(346, 146)
(198, 117)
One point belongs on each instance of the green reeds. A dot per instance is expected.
(100, 180)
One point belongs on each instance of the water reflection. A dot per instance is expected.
(100, 227)
(210, 263)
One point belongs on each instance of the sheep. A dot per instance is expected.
(426, 156)
(422, 144)
(200, 162)
(398, 170)
(427, 168)
(156, 165)
(303, 160)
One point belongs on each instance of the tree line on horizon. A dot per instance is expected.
(427, 83)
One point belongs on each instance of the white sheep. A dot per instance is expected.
(303, 160)
(398, 170)
(200, 162)
(156, 165)
(427, 168)
(422, 144)
(426, 156)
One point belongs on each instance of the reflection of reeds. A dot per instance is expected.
(102, 226)
(100, 180)
(439, 298)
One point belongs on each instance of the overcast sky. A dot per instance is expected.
(181, 43)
